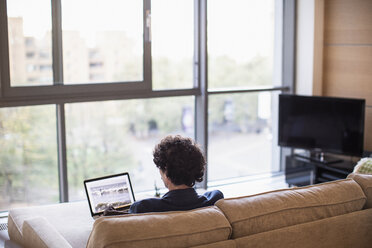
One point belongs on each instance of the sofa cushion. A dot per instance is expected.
(38, 232)
(276, 209)
(168, 229)
(365, 182)
(72, 220)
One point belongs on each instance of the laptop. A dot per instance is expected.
(115, 190)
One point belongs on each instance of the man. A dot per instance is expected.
(181, 163)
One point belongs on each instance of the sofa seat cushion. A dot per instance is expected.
(72, 220)
(168, 229)
(365, 182)
(276, 209)
(41, 234)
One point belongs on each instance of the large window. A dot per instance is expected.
(87, 88)
(99, 47)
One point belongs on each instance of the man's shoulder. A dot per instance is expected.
(214, 194)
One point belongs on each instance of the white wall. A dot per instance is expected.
(304, 47)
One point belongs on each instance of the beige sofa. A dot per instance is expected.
(334, 214)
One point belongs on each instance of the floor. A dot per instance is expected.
(230, 188)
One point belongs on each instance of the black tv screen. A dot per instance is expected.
(325, 124)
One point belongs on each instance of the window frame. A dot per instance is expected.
(60, 94)
(58, 89)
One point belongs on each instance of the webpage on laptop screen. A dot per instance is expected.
(113, 191)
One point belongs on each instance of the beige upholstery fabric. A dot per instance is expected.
(223, 244)
(343, 231)
(14, 231)
(40, 234)
(168, 229)
(323, 215)
(271, 210)
(365, 182)
(72, 220)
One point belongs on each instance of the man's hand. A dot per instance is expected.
(112, 211)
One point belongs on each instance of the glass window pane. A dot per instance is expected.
(102, 41)
(240, 42)
(28, 156)
(172, 29)
(30, 42)
(117, 136)
(242, 121)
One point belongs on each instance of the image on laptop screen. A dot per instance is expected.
(115, 190)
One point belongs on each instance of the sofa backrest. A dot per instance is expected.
(342, 231)
(277, 209)
(169, 229)
(365, 182)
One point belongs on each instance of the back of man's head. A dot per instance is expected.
(181, 159)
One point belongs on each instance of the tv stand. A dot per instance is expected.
(301, 170)
(320, 157)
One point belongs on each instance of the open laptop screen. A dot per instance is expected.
(115, 190)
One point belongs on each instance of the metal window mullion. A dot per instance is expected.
(57, 42)
(277, 78)
(4, 51)
(201, 62)
(60, 108)
(289, 44)
(147, 57)
(247, 90)
(62, 154)
(289, 57)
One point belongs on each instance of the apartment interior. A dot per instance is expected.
(68, 112)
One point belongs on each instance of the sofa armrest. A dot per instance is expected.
(38, 232)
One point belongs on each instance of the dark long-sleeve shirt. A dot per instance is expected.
(177, 200)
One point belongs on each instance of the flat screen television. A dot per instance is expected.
(323, 124)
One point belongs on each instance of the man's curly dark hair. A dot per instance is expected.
(181, 159)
